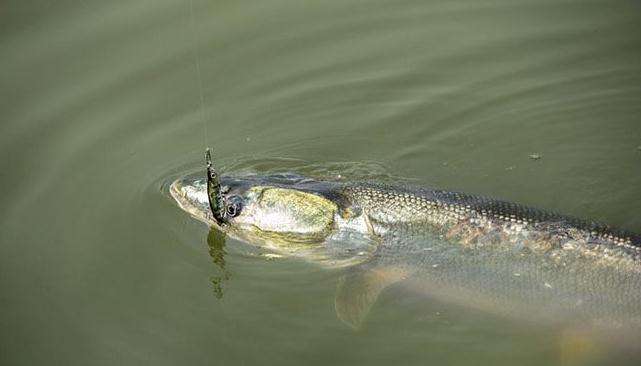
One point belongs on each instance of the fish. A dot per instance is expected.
(483, 253)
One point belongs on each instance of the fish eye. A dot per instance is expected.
(234, 206)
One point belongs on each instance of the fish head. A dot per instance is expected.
(279, 212)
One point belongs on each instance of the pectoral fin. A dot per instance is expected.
(358, 290)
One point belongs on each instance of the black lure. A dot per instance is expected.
(214, 192)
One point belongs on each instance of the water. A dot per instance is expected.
(100, 106)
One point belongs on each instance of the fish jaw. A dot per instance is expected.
(190, 194)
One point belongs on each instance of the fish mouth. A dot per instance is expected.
(177, 192)
(190, 194)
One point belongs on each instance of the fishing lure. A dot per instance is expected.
(214, 191)
(222, 207)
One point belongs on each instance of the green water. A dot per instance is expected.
(100, 106)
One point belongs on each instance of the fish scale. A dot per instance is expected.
(506, 258)
(444, 209)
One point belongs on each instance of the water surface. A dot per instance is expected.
(101, 106)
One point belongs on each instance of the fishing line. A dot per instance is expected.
(194, 33)
(203, 117)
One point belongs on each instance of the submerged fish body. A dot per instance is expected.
(488, 254)
(505, 258)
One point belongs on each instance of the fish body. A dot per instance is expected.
(484, 253)
(507, 258)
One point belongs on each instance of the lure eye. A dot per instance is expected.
(234, 206)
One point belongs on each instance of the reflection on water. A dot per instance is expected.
(216, 243)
